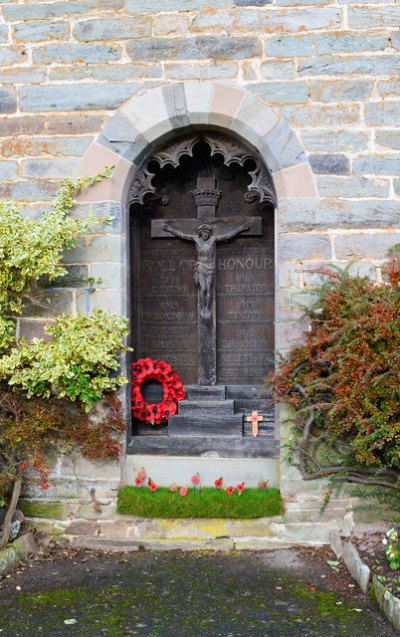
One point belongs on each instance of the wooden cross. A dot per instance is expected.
(206, 196)
(254, 419)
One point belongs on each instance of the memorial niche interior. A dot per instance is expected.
(202, 291)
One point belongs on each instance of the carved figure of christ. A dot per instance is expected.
(204, 272)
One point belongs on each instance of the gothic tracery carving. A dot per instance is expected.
(261, 186)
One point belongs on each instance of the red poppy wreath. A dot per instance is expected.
(149, 369)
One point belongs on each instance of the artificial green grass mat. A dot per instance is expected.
(207, 503)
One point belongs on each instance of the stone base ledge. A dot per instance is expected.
(16, 551)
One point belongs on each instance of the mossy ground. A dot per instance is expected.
(205, 503)
(181, 594)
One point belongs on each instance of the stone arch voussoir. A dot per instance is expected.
(157, 114)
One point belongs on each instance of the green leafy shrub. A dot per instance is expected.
(48, 388)
(75, 364)
(344, 381)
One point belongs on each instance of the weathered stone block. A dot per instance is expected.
(76, 277)
(175, 102)
(335, 213)
(396, 183)
(107, 275)
(105, 72)
(252, 3)
(377, 165)
(113, 211)
(202, 70)
(281, 92)
(8, 100)
(353, 187)
(53, 302)
(83, 527)
(383, 113)
(322, 44)
(171, 25)
(22, 75)
(90, 96)
(99, 248)
(342, 140)
(30, 191)
(50, 168)
(72, 123)
(116, 29)
(75, 53)
(372, 246)
(41, 11)
(33, 328)
(41, 31)
(351, 65)
(13, 55)
(282, 148)
(223, 47)
(3, 33)
(304, 246)
(318, 115)
(52, 510)
(330, 164)
(295, 20)
(373, 17)
(390, 87)
(8, 170)
(343, 91)
(107, 300)
(216, 21)
(143, 6)
(36, 146)
(273, 70)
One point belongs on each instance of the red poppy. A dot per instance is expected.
(230, 490)
(183, 491)
(141, 473)
(262, 484)
(173, 488)
(240, 487)
(196, 478)
(218, 483)
(138, 481)
(152, 486)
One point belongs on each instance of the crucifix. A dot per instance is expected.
(205, 232)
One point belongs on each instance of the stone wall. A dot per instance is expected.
(329, 70)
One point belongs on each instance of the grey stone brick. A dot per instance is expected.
(371, 246)
(120, 129)
(281, 92)
(50, 302)
(75, 53)
(323, 44)
(41, 11)
(282, 148)
(108, 300)
(303, 19)
(201, 71)
(389, 87)
(116, 29)
(273, 70)
(395, 39)
(353, 187)
(105, 72)
(365, 213)
(76, 277)
(113, 211)
(97, 248)
(8, 170)
(8, 100)
(341, 91)
(89, 96)
(41, 31)
(304, 246)
(373, 17)
(396, 183)
(389, 165)
(29, 191)
(22, 75)
(36, 146)
(222, 47)
(376, 65)
(213, 21)
(33, 328)
(175, 102)
(72, 124)
(55, 168)
(11, 55)
(388, 139)
(107, 275)
(330, 164)
(317, 115)
(385, 113)
(339, 140)
(144, 6)
(252, 3)
(3, 33)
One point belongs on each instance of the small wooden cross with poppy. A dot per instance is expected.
(254, 419)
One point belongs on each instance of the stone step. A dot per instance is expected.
(190, 426)
(206, 408)
(205, 392)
